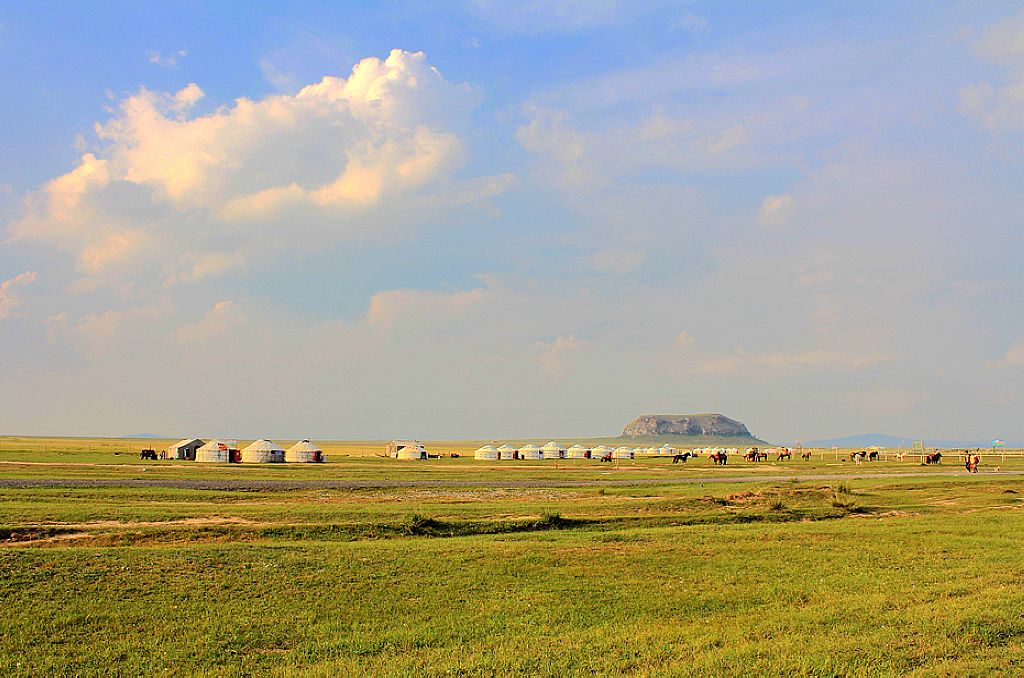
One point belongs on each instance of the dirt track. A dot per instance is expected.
(301, 484)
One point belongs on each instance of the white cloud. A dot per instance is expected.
(1014, 356)
(555, 354)
(10, 303)
(683, 340)
(340, 159)
(775, 208)
(1000, 105)
(219, 321)
(166, 61)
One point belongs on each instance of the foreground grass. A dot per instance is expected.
(865, 577)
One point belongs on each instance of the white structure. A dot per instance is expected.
(216, 452)
(304, 452)
(263, 451)
(530, 452)
(667, 450)
(487, 452)
(576, 452)
(184, 449)
(506, 451)
(553, 450)
(600, 451)
(622, 453)
(639, 452)
(406, 449)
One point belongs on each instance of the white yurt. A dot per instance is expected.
(600, 451)
(507, 452)
(413, 451)
(732, 450)
(215, 452)
(263, 451)
(622, 453)
(487, 452)
(576, 452)
(553, 450)
(303, 452)
(667, 451)
(530, 452)
(639, 452)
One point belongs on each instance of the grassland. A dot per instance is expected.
(644, 568)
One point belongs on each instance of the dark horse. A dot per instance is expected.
(873, 456)
(719, 458)
(148, 454)
(933, 458)
(607, 457)
(681, 457)
(858, 456)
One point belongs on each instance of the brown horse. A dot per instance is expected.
(718, 458)
(935, 458)
(805, 455)
(751, 454)
(784, 453)
(681, 457)
(858, 456)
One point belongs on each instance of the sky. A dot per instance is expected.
(483, 219)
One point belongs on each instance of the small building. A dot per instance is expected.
(486, 453)
(667, 450)
(304, 452)
(577, 452)
(263, 451)
(406, 449)
(600, 451)
(218, 452)
(184, 449)
(507, 452)
(530, 452)
(553, 450)
(622, 452)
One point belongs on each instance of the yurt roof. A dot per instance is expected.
(623, 447)
(186, 441)
(304, 446)
(506, 447)
(577, 447)
(264, 445)
(487, 448)
(528, 448)
(552, 445)
(216, 444)
(602, 448)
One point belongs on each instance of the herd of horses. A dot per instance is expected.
(754, 454)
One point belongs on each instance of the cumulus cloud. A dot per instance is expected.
(166, 61)
(1000, 104)
(775, 208)
(10, 303)
(218, 322)
(342, 158)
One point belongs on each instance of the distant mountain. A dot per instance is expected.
(887, 440)
(143, 436)
(686, 427)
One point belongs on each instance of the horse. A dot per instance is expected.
(681, 457)
(718, 458)
(784, 453)
(148, 454)
(873, 456)
(858, 456)
(805, 455)
(762, 456)
(751, 454)
(935, 458)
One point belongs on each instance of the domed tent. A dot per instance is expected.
(576, 452)
(406, 449)
(553, 450)
(263, 451)
(487, 452)
(530, 452)
(622, 452)
(639, 452)
(667, 451)
(304, 452)
(507, 452)
(217, 452)
(600, 451)
(652, 451)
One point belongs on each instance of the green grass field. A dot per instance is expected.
(642, 567)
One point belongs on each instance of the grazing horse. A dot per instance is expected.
(751, 454)
(806, 455)
(933, 458)
(681, 457)
(607, 457)
(718, 458)
(873, 456)
(784, 453)
(858, 456)
(148, 454)
(762, 456)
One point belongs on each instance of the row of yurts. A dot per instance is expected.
(262, 451)
(553, 450)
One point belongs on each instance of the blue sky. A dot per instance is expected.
(484, 219)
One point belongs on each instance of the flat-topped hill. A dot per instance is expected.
(710, 426)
